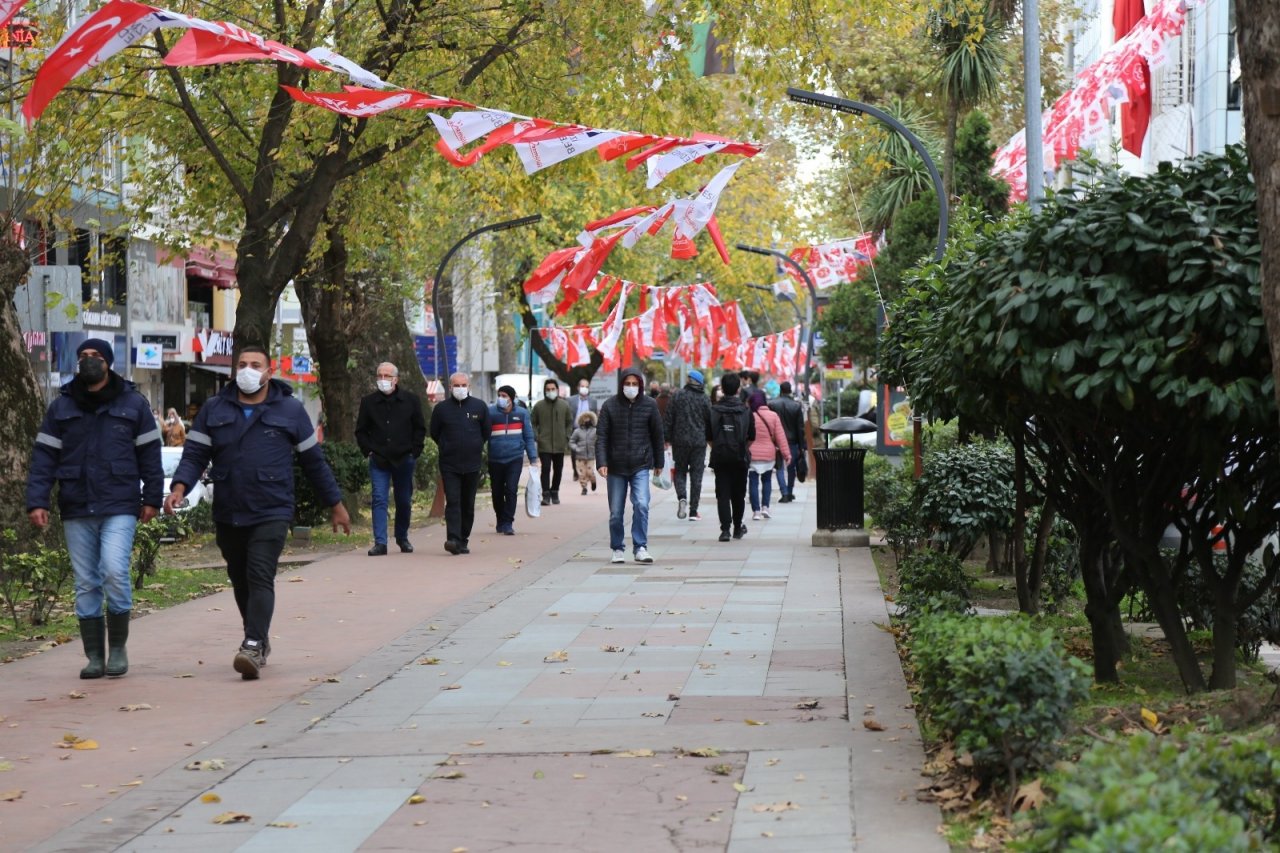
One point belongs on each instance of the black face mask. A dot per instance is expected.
(93, 370)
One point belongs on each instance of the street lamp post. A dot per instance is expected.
(806, 326)
(843, 105)
(435, 290)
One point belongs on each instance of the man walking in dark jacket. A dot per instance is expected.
(731, 431)
(791, 413)
(391, 431)
(628, 446)
(685, 427)
(459, 427)
(250, 432)
(99, 438)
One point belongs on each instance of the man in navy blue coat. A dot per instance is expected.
(459, 427)
(250, 432)
(99, 438)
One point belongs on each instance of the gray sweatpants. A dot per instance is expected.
(690, 461)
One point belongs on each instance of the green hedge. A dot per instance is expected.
(932, 582)
(1001, 689)
(1185, 792)
(350, 468)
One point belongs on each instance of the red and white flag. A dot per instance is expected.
(697, 213)
(101, 36)
(681, 155)
(218, 42)
(469, 125)
(650, 224)
(9, 8)
(361, 103)
(358, 75)
(541, 153)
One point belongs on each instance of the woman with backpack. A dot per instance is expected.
(770, 442)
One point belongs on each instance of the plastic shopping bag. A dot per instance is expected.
(663, 479)
(533, 495)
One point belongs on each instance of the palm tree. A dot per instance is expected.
(906, 177)
(969, 36)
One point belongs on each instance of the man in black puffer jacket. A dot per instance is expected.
(685, 425)
(629, 446)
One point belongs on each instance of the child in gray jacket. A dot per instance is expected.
(583, 445)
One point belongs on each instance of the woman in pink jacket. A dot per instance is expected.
(769, 442)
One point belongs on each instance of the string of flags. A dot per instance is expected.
(1083, 113)
(538, 142)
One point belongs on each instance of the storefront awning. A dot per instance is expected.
(216, 268)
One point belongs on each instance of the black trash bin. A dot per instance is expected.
(839, 475)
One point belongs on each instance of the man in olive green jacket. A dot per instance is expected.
(552, 425)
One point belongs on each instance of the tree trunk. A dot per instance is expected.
(1224, 643)
(1102, 609)
(1035, 571)
(352, 328)
(1164, 605)
(566, 374)
(20, 397)
(1258, 25)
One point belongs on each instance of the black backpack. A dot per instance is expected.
(731, 438)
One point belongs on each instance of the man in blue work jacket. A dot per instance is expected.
(250, 431)
(99, 438)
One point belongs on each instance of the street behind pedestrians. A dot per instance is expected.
(530, 695)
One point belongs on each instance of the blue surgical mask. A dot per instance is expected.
(504, 403)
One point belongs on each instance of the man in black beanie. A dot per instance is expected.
(99, 439)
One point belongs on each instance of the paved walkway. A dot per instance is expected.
(730, 696)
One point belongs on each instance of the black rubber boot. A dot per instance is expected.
(93, 633)
(117, 636)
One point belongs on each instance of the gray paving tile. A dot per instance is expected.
(336, 820)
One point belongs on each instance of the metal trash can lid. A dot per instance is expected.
(847, 424)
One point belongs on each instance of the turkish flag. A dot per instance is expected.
(231, 43)
(1135, 114)
(101, 36)
(9, 8)
(360, 103)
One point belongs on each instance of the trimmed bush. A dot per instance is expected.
(426, 470)
(350, 468)
(1001, 689)
(932, 582)
(1256, 624)
(889, 494)
(1186, 791)
(967, 492)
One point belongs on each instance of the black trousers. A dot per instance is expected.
(459, 503)
(690, 460)
(252, 554)
(504, 482)
(731, 494)
(552, 471)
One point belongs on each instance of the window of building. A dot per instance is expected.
(114, 270)
(1234, 95)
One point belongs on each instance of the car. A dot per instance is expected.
(200, 491)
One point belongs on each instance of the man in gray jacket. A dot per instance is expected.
(629, 446)
(685, 426)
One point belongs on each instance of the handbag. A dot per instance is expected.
(802, 466)
(533, 494)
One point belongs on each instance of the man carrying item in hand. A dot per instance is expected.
(510, 439)
(99, 438)
(459, 427)
(250, 432)
(391, 431)
(628, 447)
(791, 413)
(685, 426)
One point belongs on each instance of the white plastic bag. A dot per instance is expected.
(663, 478)
(533, 494)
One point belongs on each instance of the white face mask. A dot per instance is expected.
(504, 403)
(631, 391)
(248, 380)
(386, 386)
(552, 393)
(460, 393)
(584, 390)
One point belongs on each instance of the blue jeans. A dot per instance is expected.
(504, 482)
(101, 552)
(383, 479)
(618, 484)
(787, 476)
(757, 482)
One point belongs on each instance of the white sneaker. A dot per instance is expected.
(619, 557)
(755, 516)
(765, 512)
(683, 511)
(642, 555)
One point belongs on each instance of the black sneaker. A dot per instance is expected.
(724, 536)
(406, 547)
(378, 550)
(463, 549)
(249, 660)
(451, 546)
(739, 531)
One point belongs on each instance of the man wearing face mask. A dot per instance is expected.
(552, 425)
(629, 445)
(459, 427)
(250, 432)
(510, 440)
(391, 431)
(99, 438)
(580, 406)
